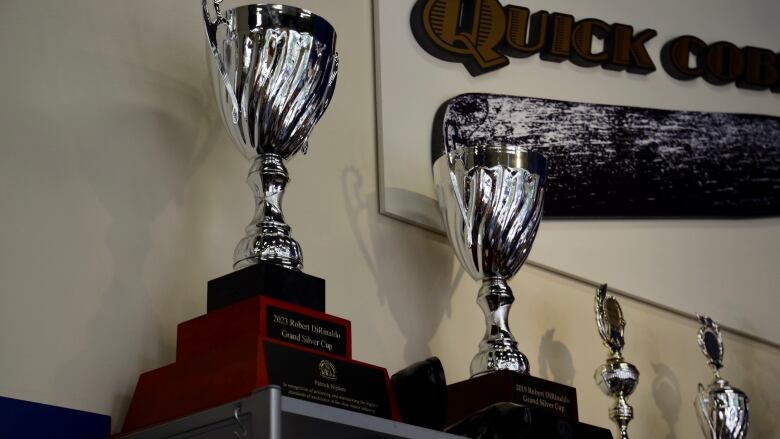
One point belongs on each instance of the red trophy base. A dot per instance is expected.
(227, 354)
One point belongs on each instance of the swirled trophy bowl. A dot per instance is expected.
(491, 202)
(274, 70)
(722, 411)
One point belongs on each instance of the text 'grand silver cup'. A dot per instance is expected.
(274, 70)
(491, 201)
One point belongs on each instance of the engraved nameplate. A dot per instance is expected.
(306, 328)
(328, 380)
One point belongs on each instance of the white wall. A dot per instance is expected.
(121, 195)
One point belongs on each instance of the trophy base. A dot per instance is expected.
(514, 421)
(506, 404)
(265, 279)
(421, 393)
(227, 354)
(472, 395)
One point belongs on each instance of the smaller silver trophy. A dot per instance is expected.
(491, 202)
(274, 70)
(616, 378)
(723, 410)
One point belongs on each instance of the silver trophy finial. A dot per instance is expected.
(711, 343)
(491, 201)
(723, 411)
(274, 71)
(616, 378)
(609, 319)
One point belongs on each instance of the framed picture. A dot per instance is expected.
(689, 257)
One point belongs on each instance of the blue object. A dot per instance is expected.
(30, 420)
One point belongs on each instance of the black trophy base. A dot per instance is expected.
(269, 280)
(469, 396)
(508, 420)
(421, 394)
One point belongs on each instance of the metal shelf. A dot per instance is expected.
(266, 414)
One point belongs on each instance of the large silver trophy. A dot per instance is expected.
(274, 71)
(616, 378)
(723, 410)
(491, 201)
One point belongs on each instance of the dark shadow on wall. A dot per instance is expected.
(763, 392)
(761, 383)
(142, 157)
(666, 394)
(403, 264)
(555, 361)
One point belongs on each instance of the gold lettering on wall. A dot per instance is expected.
(481, 34)
(526, 33)
(466, 31)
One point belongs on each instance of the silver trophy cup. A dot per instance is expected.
(491, 201)
(274, 71)
(723, 411)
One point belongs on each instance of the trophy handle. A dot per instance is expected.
(211, 33)
(453, 180)
(702, 403)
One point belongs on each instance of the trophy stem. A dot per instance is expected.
(498, 349)
(268, 236)
(621, 414)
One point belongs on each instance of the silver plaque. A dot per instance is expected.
(274, 70)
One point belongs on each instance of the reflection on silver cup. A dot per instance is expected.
(491, 201)
(274, 70)
(723, 411)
